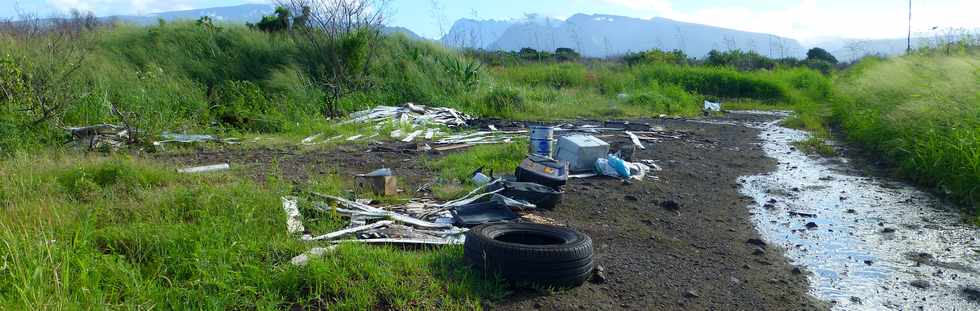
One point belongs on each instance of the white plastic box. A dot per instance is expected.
(581, 152)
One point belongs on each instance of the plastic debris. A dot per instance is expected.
(205, 169)
(316, 252)
(412, 136)
(294, 221)
(636, 140)
(710, 106)
(494, 208)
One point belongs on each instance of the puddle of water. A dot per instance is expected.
(873, 238)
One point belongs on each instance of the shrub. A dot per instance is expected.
(719, 82)
(505, 100)
(739, 60)
(667, 98)
(676, 57)
(242, 105)
(819, 54)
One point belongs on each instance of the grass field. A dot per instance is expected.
(120, 232)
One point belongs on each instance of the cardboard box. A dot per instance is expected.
(380, 185)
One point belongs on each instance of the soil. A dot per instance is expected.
(683, 241)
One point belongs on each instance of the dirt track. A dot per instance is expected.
(695, 257)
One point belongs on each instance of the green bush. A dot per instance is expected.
(558, 76)
(242, 105)
(504, 100)
(668, 98)
(740, 60)
(718, 82)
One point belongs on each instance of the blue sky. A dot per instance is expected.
(800, 19)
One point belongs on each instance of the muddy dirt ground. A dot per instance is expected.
(692, 255)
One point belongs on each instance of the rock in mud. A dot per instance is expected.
(759, 251)
(670, 205)
(856, 300)
(972, 293)
(691, 294)
(811, 225)
(920, 284)
(920, 257)
(888, 230)
(599, 275)
(757, 242)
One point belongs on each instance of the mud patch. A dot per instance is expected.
(658, 241)
(877, 243)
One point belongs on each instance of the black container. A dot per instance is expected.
(539, 195)
(543, 171)
(494, 209)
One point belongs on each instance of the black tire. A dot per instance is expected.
(533, 253)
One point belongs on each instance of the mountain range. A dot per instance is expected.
(592, 35)
(607, 35)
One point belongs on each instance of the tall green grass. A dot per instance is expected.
(609, 90)
(920, 113)
(121, 233)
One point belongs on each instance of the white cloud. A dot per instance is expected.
(662, 7)
(112, 7)
(810, 19)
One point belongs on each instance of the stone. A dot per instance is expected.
(920, 284)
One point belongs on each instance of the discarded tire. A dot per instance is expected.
(533, 253)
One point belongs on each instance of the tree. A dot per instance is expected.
(821, 54)
(566, 54)
(676, 57)
(338, 42)
(739, 60)
(274, 23)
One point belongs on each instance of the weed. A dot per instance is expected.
(196, 242)
(816, 145)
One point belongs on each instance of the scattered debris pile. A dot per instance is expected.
(495, 220)
(173, 138)
(99, 137)
(112, 137)
(411, 113)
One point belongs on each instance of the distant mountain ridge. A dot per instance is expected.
(594, 35)
(231, 14)
(600, 35)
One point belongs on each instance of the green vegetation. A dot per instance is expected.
(921, 113)
(115, 231)
(816, 145)
(80, 232)
(228, 79)
(501, 159)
